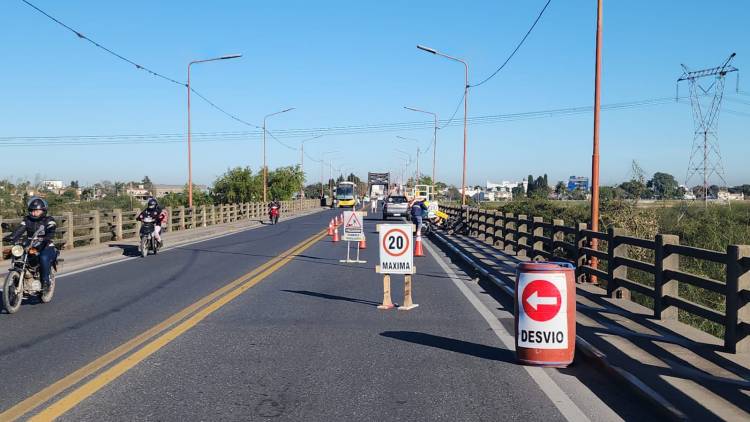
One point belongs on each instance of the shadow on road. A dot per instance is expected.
(453, 345)
(127, 250)
(333, 297)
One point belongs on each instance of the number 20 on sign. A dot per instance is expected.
(396, 252)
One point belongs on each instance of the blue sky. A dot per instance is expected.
(346, 63)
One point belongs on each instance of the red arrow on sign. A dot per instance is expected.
(541, 300)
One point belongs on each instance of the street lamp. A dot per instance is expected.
(190, 159)
(302, 162)
(466, 109)
(330, 169)
(434, 138)
(265, 167)
(595, 153)
(417, 141)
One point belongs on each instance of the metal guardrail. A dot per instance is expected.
(533, 237)
(92, 228)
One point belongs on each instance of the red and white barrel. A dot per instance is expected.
(545, 313)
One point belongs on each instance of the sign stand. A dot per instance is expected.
(408, 304)
(350, 261)
(396, 257)
(387, 303)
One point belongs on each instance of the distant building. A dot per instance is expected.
(138, 192)
(52, 184)
(726, 196)
(578, 183)
(160, 191)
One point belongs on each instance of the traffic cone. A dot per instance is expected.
(418, 246)
(330, 228)
(363, 243)
(335, 234)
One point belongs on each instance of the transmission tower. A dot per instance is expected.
(705, 155)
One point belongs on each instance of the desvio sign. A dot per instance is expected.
(542, 316)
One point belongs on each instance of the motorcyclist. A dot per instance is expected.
(37, 217)
(274, 203)
(154, 211)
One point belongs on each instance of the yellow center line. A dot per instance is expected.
(91, 368)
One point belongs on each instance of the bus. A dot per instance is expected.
(346, 195)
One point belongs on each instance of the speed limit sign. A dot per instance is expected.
(396, 248)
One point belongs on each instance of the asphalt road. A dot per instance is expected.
(305, 343)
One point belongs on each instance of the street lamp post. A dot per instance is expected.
(190, 158)
(595, 153)
(418, 174)
(434, 138)
(466, 109)
(265, 167)
(302, 162)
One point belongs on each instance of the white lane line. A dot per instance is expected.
(562, 401)
(176, 246)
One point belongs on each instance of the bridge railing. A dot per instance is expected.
(95, 227)
(656, 272)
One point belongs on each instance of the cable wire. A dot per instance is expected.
(84, 37)
(517, 47)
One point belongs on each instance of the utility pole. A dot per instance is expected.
(705, 155)
(595, 154)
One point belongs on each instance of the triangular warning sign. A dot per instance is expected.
(353, 221)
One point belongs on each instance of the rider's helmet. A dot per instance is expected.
(152, 204)
(37, 203)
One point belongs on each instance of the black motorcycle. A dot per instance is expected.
(148, 239)
(23, 279)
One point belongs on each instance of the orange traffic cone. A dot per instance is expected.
(363, 243)
(418, 246)
(330, 228)
(335, 234)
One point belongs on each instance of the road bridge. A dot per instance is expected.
(267, 323)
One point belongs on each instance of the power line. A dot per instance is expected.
(458, 106)
(119, 56)
(517, 47)
(96, 44)
(228, 114)
(328, 131)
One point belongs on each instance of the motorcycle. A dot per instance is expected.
(273, 214)
(148, 240)
(23, 279)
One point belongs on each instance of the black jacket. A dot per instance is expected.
(31, 225)
(153, 213)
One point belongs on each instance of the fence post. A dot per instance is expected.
(118, 223)
(522, 229)
(736, 338)
(509, 232)
(181, 217)
(498, 240)
(137, 233)
(580, 256)
(537, 231)
(213, 215)
(96, 233)
(663, 285)
(616, 249)
(203, 216)
(558, 235)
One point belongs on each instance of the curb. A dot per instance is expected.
(588, 351)
(110, 256)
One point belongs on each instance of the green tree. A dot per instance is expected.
(238, 185)
(530, 188)
(518, 193)
(285, 181)
(146, 182)
(664, 186)
(560, 189)
(74, 184)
